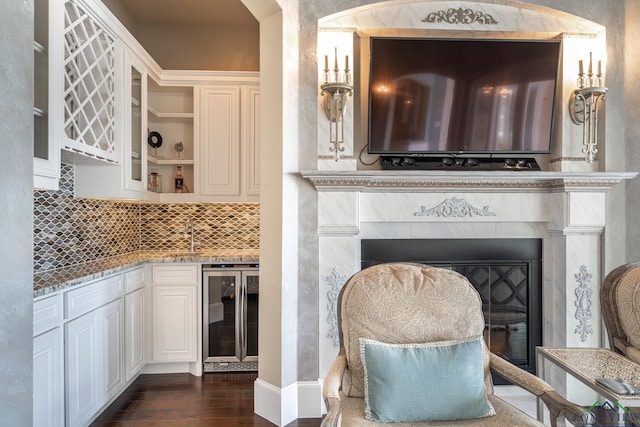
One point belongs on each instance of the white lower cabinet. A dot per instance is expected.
(48, 381)
(83, 367)
(134, 333)
(174, 324)
(174, 295)
(94, 363)
(91, 341)
(112, 328)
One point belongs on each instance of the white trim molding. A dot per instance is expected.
(281, 406)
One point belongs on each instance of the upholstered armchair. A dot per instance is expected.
(620, 306)
(412, 353)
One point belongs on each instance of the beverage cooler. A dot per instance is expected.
(230, 317)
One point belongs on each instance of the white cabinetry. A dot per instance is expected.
(47, 49)
(48, 366)
(93, 347)
(220, 141)
(175, 313)
(111, 318)
(83, 369)
(252, 140)
(135, 139)
(91, 58)
(174, 324)
(228, 125)
(134, 311)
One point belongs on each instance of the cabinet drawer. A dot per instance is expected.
(175, 274)
(133, 280)
(90, 297)
(47, 314)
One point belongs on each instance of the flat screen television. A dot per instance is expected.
(461, 96)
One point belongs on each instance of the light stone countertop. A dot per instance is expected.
(48, 282)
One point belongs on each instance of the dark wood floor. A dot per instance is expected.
(185, 400)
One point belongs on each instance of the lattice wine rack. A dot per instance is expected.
(89, 101)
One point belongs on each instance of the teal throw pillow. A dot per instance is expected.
(424, 382)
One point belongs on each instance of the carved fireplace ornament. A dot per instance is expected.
(454, 208)
(460, 16)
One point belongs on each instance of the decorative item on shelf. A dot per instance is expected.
(155, 141)
(179, 147)
(180, 187)
(335, 89)
(583, 105)
(155, 182)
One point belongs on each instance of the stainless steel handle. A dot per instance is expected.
(243, 319)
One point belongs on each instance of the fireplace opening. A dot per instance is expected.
(507, 274)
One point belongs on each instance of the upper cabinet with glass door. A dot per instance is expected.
(47, 48)
(135, 151)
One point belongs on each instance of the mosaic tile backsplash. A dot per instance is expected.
(69, 231)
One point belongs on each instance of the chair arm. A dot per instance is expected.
(331, 391)
(558, 406)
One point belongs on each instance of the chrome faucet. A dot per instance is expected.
(190, 227)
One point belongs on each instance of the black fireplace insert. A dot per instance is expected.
(506, 272)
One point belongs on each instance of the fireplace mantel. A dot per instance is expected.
(566, 210)
(393, 181)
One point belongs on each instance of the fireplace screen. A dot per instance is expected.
(506, 273)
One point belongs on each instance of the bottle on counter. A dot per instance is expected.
(179, 181)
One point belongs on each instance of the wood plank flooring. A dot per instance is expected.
(215, 399)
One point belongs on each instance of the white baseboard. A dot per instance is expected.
(167, 368)
(310, 403)
(281, 406)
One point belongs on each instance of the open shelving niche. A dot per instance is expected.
(170, 113)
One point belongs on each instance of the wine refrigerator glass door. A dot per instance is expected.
(230, 315)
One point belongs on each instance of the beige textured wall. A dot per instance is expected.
(119, 9)
(200, 47)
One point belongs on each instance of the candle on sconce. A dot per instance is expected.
(599, 68)
(590, 60)
(346, 62)
(580, 70)
(326, 62)
(335, 56)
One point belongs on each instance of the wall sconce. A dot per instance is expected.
(335, 89)
(583, 106)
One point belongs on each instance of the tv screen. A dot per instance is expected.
(474, 96)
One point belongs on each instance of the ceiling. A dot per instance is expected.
(218, 12)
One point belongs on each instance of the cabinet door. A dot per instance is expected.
(84, 382)
(220, 141)
(174, 324)
(134, 333)
(48, 82)
(111, 319)
(252, 140)
(93, 361)
(135, 147)
(48, 384)
(90, 108)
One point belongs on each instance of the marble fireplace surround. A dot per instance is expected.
(564, 209)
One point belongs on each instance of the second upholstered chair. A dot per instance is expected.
(620, 305)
